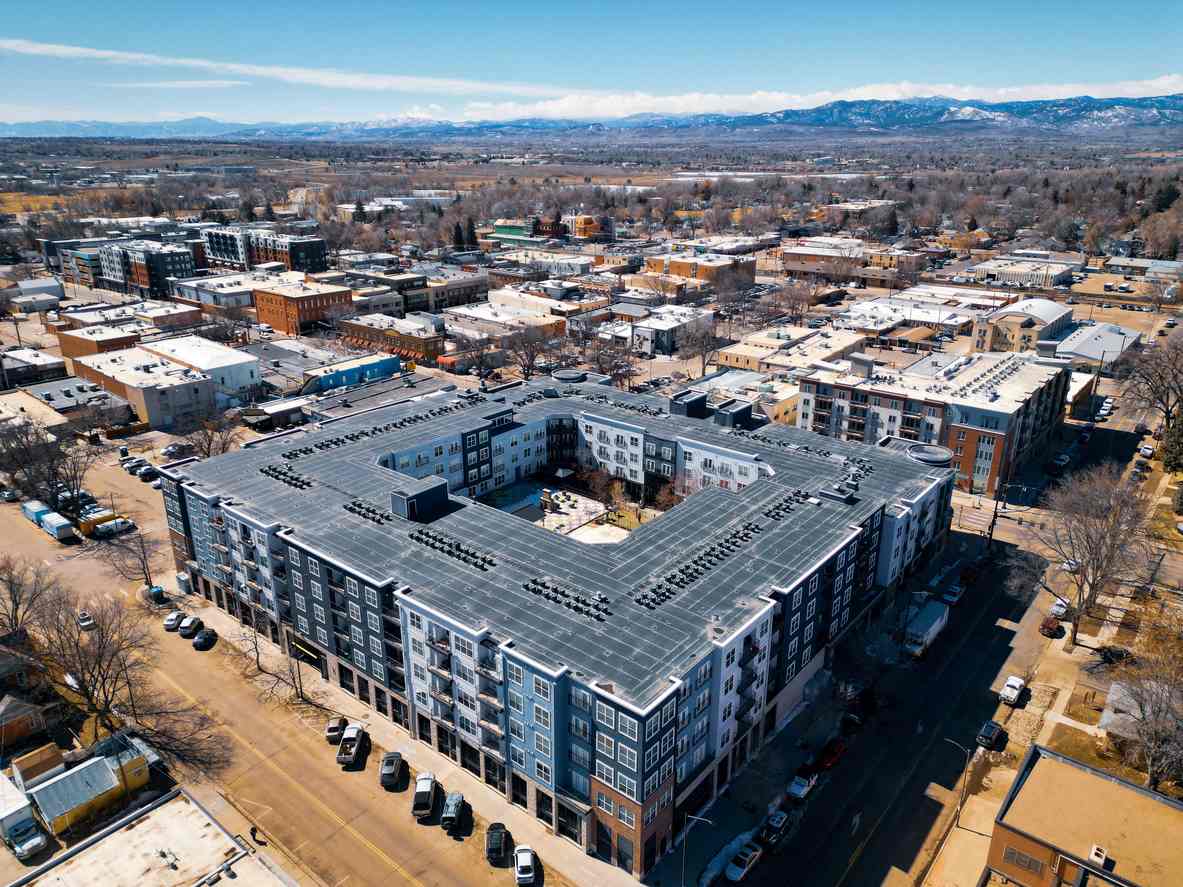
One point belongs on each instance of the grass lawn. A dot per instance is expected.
(1084, 748)
(1085, 705)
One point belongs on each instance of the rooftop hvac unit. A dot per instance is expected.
(1098, 856)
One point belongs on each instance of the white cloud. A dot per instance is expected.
(177, 84)
(604, 105)
(325, 77)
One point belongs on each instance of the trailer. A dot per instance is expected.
(33, 509)
(925, 623)
(88, 522)
(57, 526)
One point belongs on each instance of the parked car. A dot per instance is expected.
(1063, 460)
(1146, 451)
(353, 745)
(496, 842)
(831, 754)
(173, 620)
(147, 474)
(131, 466)
(190, 626)
(1050, 627)
(334, 728)
(390, 769)
(1059, 608)
(8, 494)
(989, 735)
(743, 862)
(1070, 566)
(86, 621)
(1012, 690)
(453, 812)
(205, 639)
(1085, 436)
(114, 527)
(423, 802)
(953, 594)
(523, 865)
(803, 783)
(775, 829)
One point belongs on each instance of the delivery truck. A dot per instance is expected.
(19, 829)
(925, 623)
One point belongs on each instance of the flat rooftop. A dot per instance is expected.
(1073, 807)
(177, 843)
(203, 354)
(140, 369)
(305, 289)
(635, 647)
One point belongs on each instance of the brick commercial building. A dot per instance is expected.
(994, 411)
(91, 340)
(609, 690)
(1066, 823)
(404, 337)
(292, 307)
(242, 248)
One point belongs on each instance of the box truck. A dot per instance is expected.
(925, 623)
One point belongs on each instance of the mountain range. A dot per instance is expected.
(933, 116)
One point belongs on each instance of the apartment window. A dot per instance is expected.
(795, 623)
(605, 803)
(542, 771)
(322, 636)
(516, 702)
(541, 688)
(356, 634)
(375, 646)
(517, 756)
(319, 612)
(542, 745)
(667, 712)
(302, 624)
(667, 742)
(605, 773)
(652, 726)
(810, 609)
(463, 646)
(627, 816)
(515, 672)
(354, 612)
(626, 785)
(373, 621)
(297, 580)
(729, 685)
(294, 556)
(580, 728)
(667, 770)
(313, 567)
(542, 716)
(606, 715)
(301, 605)
(626, 756)
(517, 730)
(417, 647)
(580, 757)
(416, 621)
(314, 587)
(627, 726)
(605, 746)
(581, 699)
(652, 755)
(371, 597)
(1022, 861)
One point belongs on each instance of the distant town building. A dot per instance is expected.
(243, 248)
(293, 307)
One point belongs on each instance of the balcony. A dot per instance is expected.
(218, 522)
(441, 670)
(490, 669)
(218, 546)
(750, 652)
(225, 568)
(492, 726)
(254, 565)
(490, 699)
(441, 643)
(493, 747)
(442, 697)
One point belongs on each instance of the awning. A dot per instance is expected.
(305, 648)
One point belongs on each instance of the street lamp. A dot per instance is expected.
(686, 840)
(964, 778)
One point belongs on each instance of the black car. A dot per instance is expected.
(390, 769)
(1112, 655)
(205, 640)
(989, 735)
(496, 842)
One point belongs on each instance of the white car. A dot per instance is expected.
(173, 620)
(1070, 566)
(743, 862)
(1146, 452)
(523, 865)
(1012, 690)
(1059, 609)
(802, 785)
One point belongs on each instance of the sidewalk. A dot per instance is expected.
(557, 854)
(964, 853)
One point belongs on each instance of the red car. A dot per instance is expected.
(831, 754)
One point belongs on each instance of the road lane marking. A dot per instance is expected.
(307, 795)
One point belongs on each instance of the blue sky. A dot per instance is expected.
(345, 60)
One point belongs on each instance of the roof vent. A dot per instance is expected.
(1098, 856)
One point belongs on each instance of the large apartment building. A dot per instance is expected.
(994, 411)
(242, 248)
(608, 690)
(143, 267)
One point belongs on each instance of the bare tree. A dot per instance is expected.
(28, 589)
(698, 343)
(215, 435)
(1151, 688)
(1095, 535)
(50, 466)
(478, 352)
(1153, 379)
(131, 555)
(526, 347)
(612, 360)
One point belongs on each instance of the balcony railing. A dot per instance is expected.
(441, 697)
(441, 671)
(441, 643)
(492, 726)
(490, 669)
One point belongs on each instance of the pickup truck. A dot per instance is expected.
(353, 742)
(424, 801)
(1012, 690)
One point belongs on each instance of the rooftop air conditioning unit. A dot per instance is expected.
(1098, 856)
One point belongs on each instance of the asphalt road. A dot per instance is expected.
(876, 811)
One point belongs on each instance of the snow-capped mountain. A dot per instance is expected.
(933, 115)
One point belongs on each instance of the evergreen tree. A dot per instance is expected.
(470, 233)
(246, 212)
(359, 211)
(268, 212)
(458, 236)
(1172, 447)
